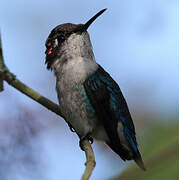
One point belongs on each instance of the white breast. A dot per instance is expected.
(79, 69)
(75, 70)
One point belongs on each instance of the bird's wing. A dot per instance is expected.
(111, 109)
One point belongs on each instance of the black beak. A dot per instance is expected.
(87, 24)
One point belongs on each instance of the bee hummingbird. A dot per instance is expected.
(89, 99)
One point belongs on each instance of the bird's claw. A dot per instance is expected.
(87, 137)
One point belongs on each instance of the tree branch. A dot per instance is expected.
(90, 160)
(11, 79)
(2, 66)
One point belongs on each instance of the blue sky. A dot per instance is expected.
(135, 41)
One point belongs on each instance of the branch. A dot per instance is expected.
(2, 66)
(11, 79)
(90, 160)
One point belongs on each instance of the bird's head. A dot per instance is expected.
(68, 40)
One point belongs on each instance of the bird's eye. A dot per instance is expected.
(55, 42)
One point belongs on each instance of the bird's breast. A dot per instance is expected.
(76, 108)
(76, 70)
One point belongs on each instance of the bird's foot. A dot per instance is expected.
(87, 137)
(71, 127)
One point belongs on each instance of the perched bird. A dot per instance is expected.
(89, 99)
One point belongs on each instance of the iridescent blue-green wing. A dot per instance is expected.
(111, 109)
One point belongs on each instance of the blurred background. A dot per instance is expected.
(136, 42)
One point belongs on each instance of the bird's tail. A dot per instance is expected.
(140, 163)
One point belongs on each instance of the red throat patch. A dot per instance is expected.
(49, 48)
(49, 51)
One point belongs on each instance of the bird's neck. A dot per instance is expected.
(76, 57)
(78, 45)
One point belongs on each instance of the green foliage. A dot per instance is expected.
(160, 155)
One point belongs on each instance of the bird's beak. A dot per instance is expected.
(87, 24)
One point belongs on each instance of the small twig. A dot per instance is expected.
(11, 79)
(2, 66)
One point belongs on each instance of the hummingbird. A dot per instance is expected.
(89, 99)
